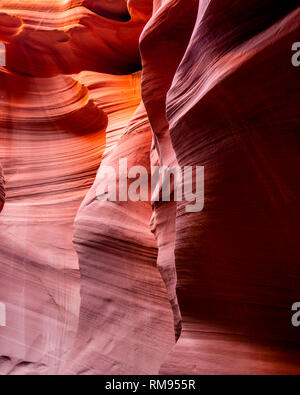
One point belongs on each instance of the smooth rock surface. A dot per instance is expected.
(126, 322)
(232, 108)
(52, 139)
(98, 287)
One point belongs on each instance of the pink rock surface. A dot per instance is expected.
(126, 322)
(98, 287)
(50, 149)
(171, 20)
(52, 138)
(237, 261)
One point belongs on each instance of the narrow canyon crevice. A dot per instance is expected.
(114, 287)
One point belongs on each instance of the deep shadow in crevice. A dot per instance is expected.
(112, 9)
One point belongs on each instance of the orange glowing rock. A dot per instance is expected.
(94, 287)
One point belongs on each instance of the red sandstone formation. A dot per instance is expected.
(126, 324)
(219, 91)
(232, 108)
(51, 138)
(68, 38)
(116, 9)
(156, 83)
(10, 27)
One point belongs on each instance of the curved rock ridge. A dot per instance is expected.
(171, 20)
(100, 287)
(116, 9)
(66, 37)
(10, 27)
(118, 96)
(126, 324)
(52, 136)
(232, 108)
(51, 142)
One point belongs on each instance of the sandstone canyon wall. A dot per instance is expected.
(101, 287)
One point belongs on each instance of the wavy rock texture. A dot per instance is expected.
(126, 323)
(52, 37)
(171, 20)
(52, 138)
(232, 108)
(51, 150)
(50, 153)
(219, 91)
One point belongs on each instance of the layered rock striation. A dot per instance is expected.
(102, 287)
